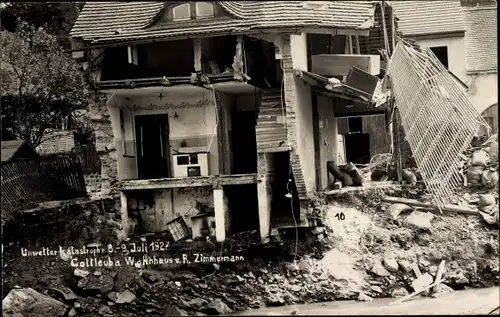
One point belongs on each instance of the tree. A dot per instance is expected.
(41, 84)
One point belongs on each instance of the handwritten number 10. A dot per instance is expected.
(340, 216)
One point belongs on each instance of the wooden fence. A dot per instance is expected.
(26, 183)
(89, 159)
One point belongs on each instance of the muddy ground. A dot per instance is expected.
(341, 261)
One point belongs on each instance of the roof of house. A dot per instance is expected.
(428, 17)
(115, 21)
(481, 38)
(10, 148)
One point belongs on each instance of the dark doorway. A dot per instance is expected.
(243, 208)
(283, 208)
(244, 142)
(357, 148)
(152, 146)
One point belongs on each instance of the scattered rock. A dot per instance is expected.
(77, 305)
(396, 209)
(65, 256)
(376, 289)
(379, 269)
(441, 290)
(391, 264)
(101, 284)
(461, 279)
(81, 273)
(178, 284)
(65, 292)
(423, 263)
(112, 296)
(105, 311)
(318, 230)
(433, 270)
(405, 265)
(420, 220)
(275, 300)
(250, 275)
(27, 302)
(239, 278)
(172, 310)
(399, 292)
(97, 273)
(362, 297)
(125, 297)
(486, 200)
(217, 307)
(295, 288)
(196, 302)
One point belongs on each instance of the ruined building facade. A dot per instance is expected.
(228, 111)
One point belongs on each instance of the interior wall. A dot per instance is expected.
(328, 138)
(195, 124)
(304, 113)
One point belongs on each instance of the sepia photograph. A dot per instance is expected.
(249, 158)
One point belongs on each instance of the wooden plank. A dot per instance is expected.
(439, 274)
(413, 202)
(199, 181)
(340, 64)
(402, 299)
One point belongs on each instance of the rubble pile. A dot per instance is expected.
(480, 165)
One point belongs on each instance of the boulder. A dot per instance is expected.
(217, 307)
(197, 302)
(379, 269)
(486, 200)
(405, 265)
(125, 297)
(409, 177)
(27, 302)
(65, 293)
(391, 264)
(275, 300)
(489, 178)
(376, 289)
(494, 151)
(81, 273)
(441, 290)
(105, 311)
(396, 209)
(362, 297)
(474, 175)
(480, 158)
(399, 292)
(172, 310)
(461, 279)
(420, 220)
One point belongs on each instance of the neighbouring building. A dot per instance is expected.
(463, 36)
(16, 150)
(232, 109)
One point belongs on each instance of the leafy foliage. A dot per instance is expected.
(56, 17)
(41, 83)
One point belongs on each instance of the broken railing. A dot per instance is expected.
(438, 118)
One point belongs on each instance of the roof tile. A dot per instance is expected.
(112, 21)
(428, 17)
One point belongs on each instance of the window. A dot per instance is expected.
(204, 9)
(182, 12)
(355, 125)
(441, 53)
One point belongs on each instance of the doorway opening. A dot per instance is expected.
(152, 145)
(244, 141)
(283, 209)
(243, 208)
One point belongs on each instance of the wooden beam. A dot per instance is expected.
(340, 64)
(184, 182)
(413, 202)
(197, 55)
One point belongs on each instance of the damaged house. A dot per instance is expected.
(226, 113)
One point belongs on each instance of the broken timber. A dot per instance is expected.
(448, 208)
(197, 181)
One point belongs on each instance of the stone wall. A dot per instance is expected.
(101, 121)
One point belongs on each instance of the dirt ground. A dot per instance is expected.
(332, 265)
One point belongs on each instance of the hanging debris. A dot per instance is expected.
(438, 118)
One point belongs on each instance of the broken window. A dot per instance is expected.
(355, 125)
(441, 53)
(218, 54)
(204, 9)
(182, 12)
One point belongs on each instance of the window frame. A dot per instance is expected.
(204, 16)
(178, 19)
